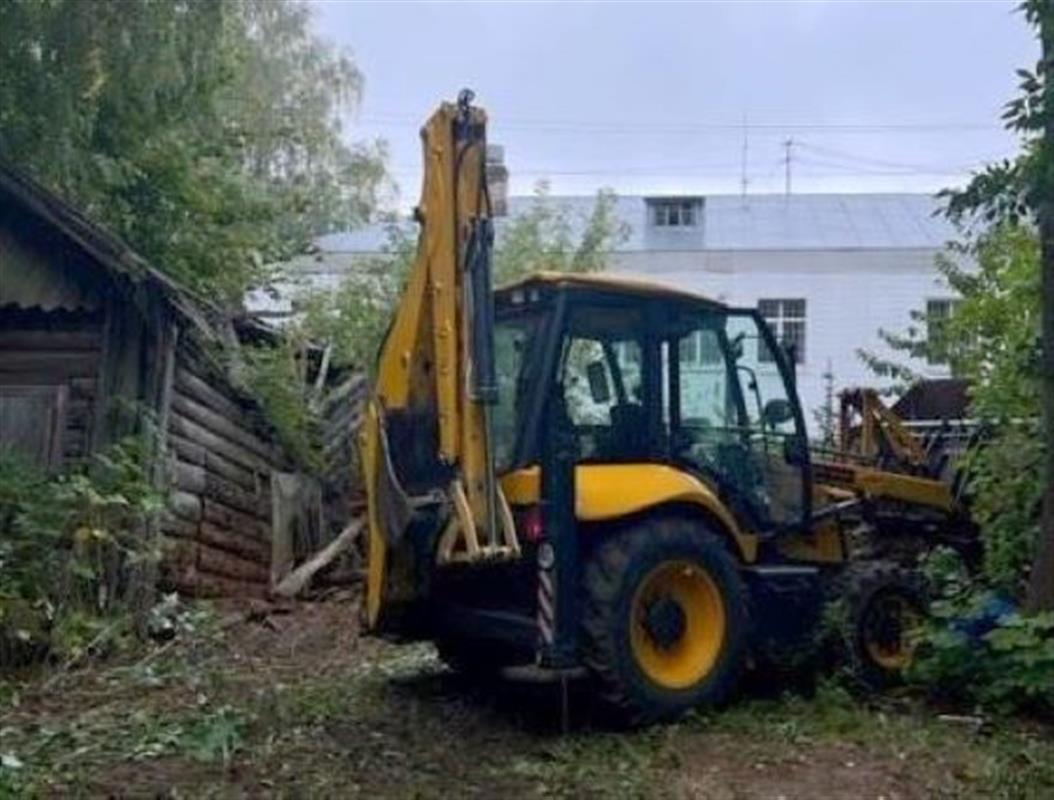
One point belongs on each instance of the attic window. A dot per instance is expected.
(675, 213)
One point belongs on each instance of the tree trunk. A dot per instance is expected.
(1041, 580)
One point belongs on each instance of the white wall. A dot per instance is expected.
(849, 295)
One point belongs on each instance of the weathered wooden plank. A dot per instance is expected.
(83, 387)
(78, 412)
(83, 340)
(335, 444)
(185, 505)
(246, 479)
(184, 576)
(122, 371)
(178, 553)
(188, 429)
(167, 338)
(24, 319)
(294, 583)
(351, 390)
(177, 527)
(218, 561)
(83, 390)
(228, 428)
(188, 477)
(223, 491)
(198, 389)
(345, 423)
(226, 539)
(76, 401)
(50, 367)
(236, 521)
(207, 585)
(75, 442)
(186, 450)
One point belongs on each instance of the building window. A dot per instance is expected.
(675, 213)
(786, 317)
(700, 348)
(938, 312)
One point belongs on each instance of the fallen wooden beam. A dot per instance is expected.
(297, 580)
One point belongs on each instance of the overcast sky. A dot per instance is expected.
(652, 97)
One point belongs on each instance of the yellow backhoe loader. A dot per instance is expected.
(591, 475)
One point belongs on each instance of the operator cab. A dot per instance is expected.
(639, 373)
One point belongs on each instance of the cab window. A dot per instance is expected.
(735, 419)
(600, 382)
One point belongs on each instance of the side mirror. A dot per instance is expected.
(598, 382)
(776, 412)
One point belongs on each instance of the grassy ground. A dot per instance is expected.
(295, 705)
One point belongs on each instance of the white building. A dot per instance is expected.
(828, 271)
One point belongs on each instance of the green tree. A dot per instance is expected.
(546, 236)
(992, 341)
(206, 134)
(993, 338)
(1022, 190)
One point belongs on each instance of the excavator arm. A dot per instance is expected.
(427, 436)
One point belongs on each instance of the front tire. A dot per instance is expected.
(664, 619)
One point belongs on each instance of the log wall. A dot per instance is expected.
(221, 456)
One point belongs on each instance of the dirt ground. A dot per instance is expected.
(244, 703)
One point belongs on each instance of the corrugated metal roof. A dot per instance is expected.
(825, 221)
(731, 222)
(111, 254)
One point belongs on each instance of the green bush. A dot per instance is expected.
(977, 647)
(70, 547)
(276, 376)
(992, 340)
(1008, 668)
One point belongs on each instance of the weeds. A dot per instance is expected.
(70, 546)
(326, 721)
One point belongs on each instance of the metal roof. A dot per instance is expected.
(134, 275)
(731, 222)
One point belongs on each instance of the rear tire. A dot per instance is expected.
(664, 619)
(884, 604)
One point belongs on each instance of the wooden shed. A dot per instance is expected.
(93, 341)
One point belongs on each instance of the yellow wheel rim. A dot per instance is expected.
(888, 629)
(678, 624)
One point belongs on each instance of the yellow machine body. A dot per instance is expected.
(465, 551)
(608, 492)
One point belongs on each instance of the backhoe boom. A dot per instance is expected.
(435, 377)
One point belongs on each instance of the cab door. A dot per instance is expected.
(734, 416)
(603, 383)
